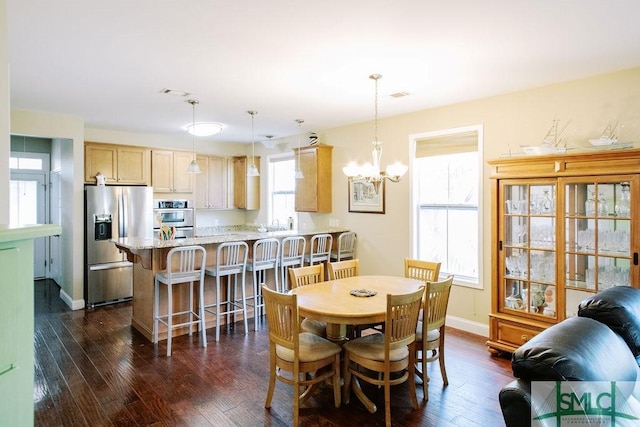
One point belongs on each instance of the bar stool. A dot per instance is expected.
(291, 255)
(264, 257)
(346, 247)
(231, 261)
(184, 270)
(320, 249)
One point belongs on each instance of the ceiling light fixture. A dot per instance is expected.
(371, 172)
(204, 128)
(193, 166)
(269, 142)
(298, 174)
(252, 170)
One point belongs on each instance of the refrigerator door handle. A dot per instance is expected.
(122, 214)
(110, 265)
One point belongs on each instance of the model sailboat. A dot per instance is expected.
(552, 142)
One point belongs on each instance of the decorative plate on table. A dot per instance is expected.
(363, 293)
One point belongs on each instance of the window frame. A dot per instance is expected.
(414, 204)
(275, 158)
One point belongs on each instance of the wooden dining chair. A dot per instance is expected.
(430, 331)
(427, 271)
(342, 269)
(390, 352)
(302, 276)
(297, 352)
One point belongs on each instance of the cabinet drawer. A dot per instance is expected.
(507, 334)
(515, 334)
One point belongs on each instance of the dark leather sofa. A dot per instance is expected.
(601, 344)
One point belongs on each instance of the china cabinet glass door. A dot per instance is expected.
(528, 239)
(597, 236)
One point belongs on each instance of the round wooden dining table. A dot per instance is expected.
(332, 301)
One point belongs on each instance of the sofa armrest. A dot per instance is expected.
(515, 402)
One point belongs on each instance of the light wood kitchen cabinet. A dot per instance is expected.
(313, 192)
(563, 229)
(212, 186)
(246, 189)
(169, 171)
(120, 164)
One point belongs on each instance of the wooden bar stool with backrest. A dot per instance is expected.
(390, 352)
(264, 257)
(291, 255)
(231, 262)
(185, 264)
(346, 247)
(303, 276)
(430, 332)
(297, 352)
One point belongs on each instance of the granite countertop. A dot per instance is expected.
(138, 243)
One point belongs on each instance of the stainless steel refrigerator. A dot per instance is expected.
(112, 212)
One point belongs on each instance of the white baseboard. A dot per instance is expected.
(468, 326)
(73, 304)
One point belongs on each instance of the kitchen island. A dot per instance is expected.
(149, 256)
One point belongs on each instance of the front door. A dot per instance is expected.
(28, 206)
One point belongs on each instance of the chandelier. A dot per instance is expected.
(370, 172)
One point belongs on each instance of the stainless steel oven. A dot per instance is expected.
(174, 213)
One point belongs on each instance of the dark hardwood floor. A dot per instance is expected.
(93, 369)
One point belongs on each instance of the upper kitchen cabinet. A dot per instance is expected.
(313, 191)
(169, 171)
(120, 164)
(246, 189)
(212, 184)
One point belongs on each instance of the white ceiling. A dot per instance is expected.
(106, 61)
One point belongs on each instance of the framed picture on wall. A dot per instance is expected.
(364, 198)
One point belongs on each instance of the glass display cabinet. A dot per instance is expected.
(562, 230)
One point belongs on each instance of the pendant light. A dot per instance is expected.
(298, 174)
(252, 170)
(371, 172)
(193, 166)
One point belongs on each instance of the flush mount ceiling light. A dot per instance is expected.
(193, 166)
(269, 142)
(252, 170)
(204, 128)
(371, 172)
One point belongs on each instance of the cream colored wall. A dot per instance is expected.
(70, 128)
(4, 117)
(509, 121)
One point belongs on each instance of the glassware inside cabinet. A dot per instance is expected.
(579, 199)
(605, 199)
(612, 272)
(580, 235)
(516, 263)
(516, 231)
(613, 237)
(542, 200)
(542, 232)
(623, 200)
(580, 271)
(516, 199)
(515, 295)
(543, 266)
(573, 297)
